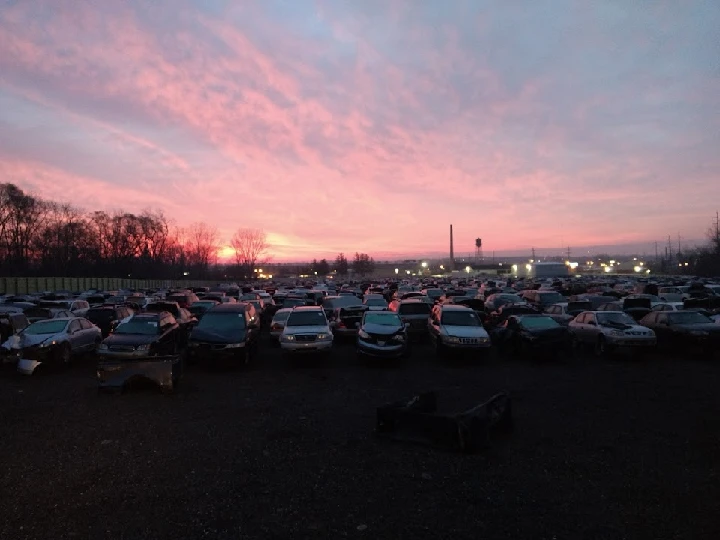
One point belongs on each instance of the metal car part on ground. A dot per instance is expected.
(470, 431)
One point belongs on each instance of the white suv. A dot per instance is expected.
(306, 331)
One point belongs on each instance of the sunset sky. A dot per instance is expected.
(371, 125)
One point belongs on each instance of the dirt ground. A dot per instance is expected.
(602, 450)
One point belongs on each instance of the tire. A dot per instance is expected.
(65, 354)
(439, 348)
(601, 348)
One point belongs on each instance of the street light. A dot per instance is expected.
(397, 271)
(467, 269)
(424, 264)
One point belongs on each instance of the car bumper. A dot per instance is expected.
(306, 347)
(275, 334)
(467, 346)
(211, 354)
(122, 355)
(383, 351)
(633, 343)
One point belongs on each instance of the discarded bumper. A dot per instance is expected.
(469, 431)
(165, 371)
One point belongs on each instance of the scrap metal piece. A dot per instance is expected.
(417, 421)
(165, 371)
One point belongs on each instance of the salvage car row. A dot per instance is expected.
(384, 320)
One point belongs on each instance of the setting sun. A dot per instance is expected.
(226, 252)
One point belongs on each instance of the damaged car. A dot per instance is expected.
(55, 341)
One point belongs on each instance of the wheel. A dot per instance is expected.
(601, 347)
(65, 354)
(574, 342)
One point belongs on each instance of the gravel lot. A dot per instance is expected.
(601, 450)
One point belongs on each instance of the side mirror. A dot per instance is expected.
(357, 325)
(406, 325)
(332, 323)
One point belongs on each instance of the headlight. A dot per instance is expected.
(483, 340)
(617, 333)
(452, 339)
(363, 334)
(234, 345)
(103, 347)
(699, 333)
(324, 336)
(143, 347)
(287, 337)
(193, 344)
(399, 338)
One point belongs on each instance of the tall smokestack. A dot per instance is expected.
(452, 250)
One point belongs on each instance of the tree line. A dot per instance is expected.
(47, 238)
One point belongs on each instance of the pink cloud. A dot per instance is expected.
(359, 163)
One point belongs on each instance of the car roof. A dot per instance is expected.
(60, 319)
(455, 307)
(308, 308)
(284, 310)
(150, 315)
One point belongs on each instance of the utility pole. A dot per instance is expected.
(669, 249)
(568, 253)
(657, 257)
(533, 254)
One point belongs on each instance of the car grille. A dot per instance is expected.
(635, 333)
(469, 341)
(305, 338)
(211, 346)
(122, 348)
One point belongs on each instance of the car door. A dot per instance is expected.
(75, 336)
(434, 324)
(583, 331)
(90, 335)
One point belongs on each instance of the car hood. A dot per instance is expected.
(30, 340)
(129, 339)
(465, 331)
(306, 330)
(200, 334)
(701, 327)
(381, 330)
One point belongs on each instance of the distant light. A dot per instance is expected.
(407, 272)
(641, 264)
(528, 267)
(647, 271)
(442, 267)
(270, 276)
(637, 268)
(573, 265)
(467, 269)
(424, 264)
(679, 264)
(397, 270)
(686, 264)
(612, 262)
(634, 258)
(608, 269)
(186, 273)
(532, 260)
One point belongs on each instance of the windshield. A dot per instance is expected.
(376, 302)
(460, 318)
(538, 323)
(342, 301)
(281, 316)
(222, 322)
(688, 317)
(416, 308)
(614, 317)
(434, 293)
(307, 318)
(383, 319)
(100, 315)
(46, 327)
(145, 327)
(502, 299)
(290, 302)
(550, 298)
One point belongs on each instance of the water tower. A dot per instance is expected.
(478, 250)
